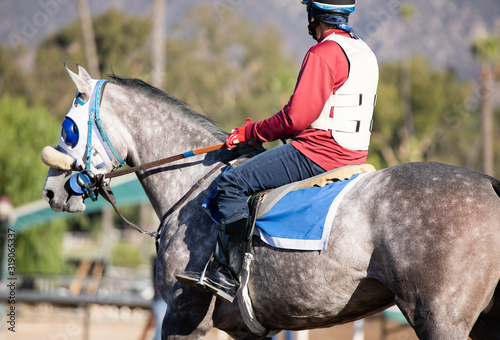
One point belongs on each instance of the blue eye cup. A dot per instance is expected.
(69, 132)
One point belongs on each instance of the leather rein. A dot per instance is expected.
(97, 182)
(107, 193)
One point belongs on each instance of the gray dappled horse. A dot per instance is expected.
(425, 236)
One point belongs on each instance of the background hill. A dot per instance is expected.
(442, 30)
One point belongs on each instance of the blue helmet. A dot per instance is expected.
(333, 12)
(331, 6)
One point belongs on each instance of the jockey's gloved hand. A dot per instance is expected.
(237, 136)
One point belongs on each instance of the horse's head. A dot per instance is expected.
(84, 150)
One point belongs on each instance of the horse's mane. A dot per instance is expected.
(159, 95)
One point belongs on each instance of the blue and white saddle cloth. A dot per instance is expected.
(300, 215)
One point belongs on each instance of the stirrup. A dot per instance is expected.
(217, 292)
(194, 279)
(200, 282)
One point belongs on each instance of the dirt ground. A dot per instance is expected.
(46, 322)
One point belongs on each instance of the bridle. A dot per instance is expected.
(87, 183)
(104, 188)
(85, 180)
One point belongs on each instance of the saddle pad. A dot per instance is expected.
(269, 198)
(302, 219)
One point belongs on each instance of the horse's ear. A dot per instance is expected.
(81, 83)
(83, 72)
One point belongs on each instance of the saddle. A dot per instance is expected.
(327, 188)
(262, 202)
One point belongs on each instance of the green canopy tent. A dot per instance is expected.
(127, 190)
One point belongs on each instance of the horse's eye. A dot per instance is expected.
(69, 132)
(79, 99)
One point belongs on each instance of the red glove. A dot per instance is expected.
(237, 135)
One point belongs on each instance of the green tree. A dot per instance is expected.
(121, 45)
(407, 11)
(39, 250)
(26, 131)
(12, 79)
(444, 125)
(229, 71)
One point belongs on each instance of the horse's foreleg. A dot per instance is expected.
(189, 315)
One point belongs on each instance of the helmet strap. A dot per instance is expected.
(313, 22)
(312, 28)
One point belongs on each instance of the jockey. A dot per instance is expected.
(328, 118)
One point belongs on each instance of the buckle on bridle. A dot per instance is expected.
(84, 182)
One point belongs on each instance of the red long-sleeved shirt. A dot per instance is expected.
(325, 68)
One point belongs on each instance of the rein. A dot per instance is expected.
(166, 160)
(107, 193)
(89, 183)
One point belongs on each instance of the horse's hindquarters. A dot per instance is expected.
(437, 238)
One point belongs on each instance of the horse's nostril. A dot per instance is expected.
(48, 195)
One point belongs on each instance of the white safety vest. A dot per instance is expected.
(354, 101)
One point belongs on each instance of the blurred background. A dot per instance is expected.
(438, 100)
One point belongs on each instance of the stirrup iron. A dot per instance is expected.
(202, 276)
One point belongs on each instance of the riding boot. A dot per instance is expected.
(221, 276)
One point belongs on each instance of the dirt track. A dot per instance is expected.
(46, 322)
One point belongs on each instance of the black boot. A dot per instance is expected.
(222, 274)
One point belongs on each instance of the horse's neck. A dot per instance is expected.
(156, 130)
